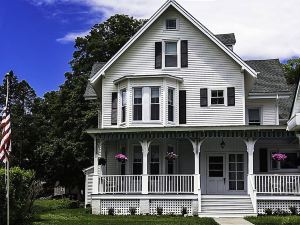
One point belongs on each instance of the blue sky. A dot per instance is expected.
(37, 36)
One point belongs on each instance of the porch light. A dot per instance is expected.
(222, 144)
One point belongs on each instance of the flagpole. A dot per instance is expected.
(7, 162)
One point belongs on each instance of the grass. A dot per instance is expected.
(48, 212)
(275, 220)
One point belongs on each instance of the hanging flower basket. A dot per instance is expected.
(279, 156)
(121, 157)
(102, 161)
(171, 156)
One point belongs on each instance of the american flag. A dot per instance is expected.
(5, 146)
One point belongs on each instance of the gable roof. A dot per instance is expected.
(189, 17)
(89, 91)
(270, 78)
(226, 39)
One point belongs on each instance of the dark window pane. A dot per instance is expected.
(154, 111)
(171, 60)
(240, 185)
(220, 100)
(232, 176)
(154, 168)
(170, 113)
(232, 185)
(214, 94)
(254, 116)
(171, 24)
(137, 112)
(216, 159)
(216, 166)
(123, 114)
(216, 173)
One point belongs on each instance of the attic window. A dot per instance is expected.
(171, 24)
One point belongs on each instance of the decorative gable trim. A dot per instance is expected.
(194, 21)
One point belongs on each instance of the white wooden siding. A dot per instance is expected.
(269, 113)
(209, 66)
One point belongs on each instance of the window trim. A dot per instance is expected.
(159, 104)
(124, 120)
(164, 54)
(177, 24)
(271, 151)
(260, 116)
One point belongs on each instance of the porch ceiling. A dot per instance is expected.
(192, 132)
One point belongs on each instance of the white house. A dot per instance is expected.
(177, 87)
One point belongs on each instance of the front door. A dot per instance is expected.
(216, 181)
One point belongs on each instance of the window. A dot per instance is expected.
(171, 163)
(236, 172)
(154, 160)
(154, 103)
(289, 163)
(254, 116)
(171, 104)
(137, 104)
(137, 165)
(171, 54)
(217, 97)
(124, 103)
(114, 108)
(171, 24)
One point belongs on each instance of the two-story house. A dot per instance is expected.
(200, 127)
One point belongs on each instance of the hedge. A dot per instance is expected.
(22, 192)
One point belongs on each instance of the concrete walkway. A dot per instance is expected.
(232, 221)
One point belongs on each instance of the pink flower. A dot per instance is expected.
(279, 156)
(121, 157)
(171, 156)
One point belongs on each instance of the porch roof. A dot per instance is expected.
(243, 131)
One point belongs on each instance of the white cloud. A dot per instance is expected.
(263, 28)
(70, 37)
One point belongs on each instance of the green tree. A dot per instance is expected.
(292, 69)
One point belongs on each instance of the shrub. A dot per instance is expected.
(132, 211)
(268, 212)
(294, 210)
(23, 190)
(184, 211)
(159, 211)
(280, 212)
(111, 211)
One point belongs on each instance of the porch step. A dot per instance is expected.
(226, 206)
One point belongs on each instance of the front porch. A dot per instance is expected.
(205, 167)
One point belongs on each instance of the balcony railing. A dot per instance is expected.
(277, 184)
(133, 184)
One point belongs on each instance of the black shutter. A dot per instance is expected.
(158, 55)
(203, 97)
(182, 107)
(263, 160)
(114, 108)
(231, 96)
(184, 53)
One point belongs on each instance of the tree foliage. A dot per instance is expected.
(292, 69)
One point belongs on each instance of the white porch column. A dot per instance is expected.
(96, 174)
(250, 143)
(145, 149)
(196, 149)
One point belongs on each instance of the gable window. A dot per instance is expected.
(137, 165)
(217, 97)
(124, 103)
(171, 54)
(254, 116)
(171, 104)
(154, 103)
(137, 104)
(171, 24)
(154, 160)
(289, 163)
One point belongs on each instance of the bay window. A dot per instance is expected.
(137, 104)
(124, 103)
(154, 103)
(171, 104)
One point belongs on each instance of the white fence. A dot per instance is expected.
(277, 184)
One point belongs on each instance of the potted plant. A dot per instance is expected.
(121, 157)
(279, 156)
(102, 161)
(171, 156)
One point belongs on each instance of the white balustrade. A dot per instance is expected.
(252, 192)
(120, 184)
(171, 184)
(277, 184)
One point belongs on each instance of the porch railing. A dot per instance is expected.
(120, 184)
(277, 184)
(252, 191)
(171, 184)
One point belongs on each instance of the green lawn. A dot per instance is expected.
(48, 214)
(275, 220)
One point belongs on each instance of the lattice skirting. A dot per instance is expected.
(170, 206)
(121, 207)
(276, 204)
